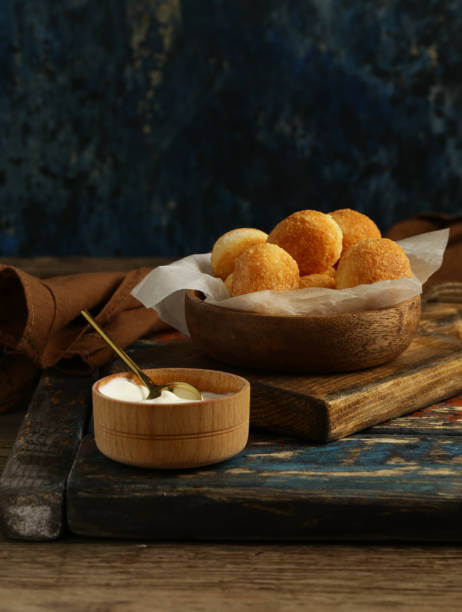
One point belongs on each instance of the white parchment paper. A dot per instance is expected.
(164, 288)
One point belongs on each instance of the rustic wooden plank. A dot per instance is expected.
(32, 485)
(362, 487)
(76, 574)
(10, 423)
(443, 418)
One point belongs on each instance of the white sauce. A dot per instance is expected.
(124, 389)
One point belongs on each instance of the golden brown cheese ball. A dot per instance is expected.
(355, 227)
(371, 260)
(325, 280)
(230, 245)
(313, 239)
(331, 271)
(264, 266)
(229, 283)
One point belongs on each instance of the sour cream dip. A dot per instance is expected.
(127, 390)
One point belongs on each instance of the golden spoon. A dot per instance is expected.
(181, 389)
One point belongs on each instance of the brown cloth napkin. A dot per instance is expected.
(41, 325)
(451, 268)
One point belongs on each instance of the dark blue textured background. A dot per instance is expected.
(143, 127)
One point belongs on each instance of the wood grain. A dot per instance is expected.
(320, 344)
(363, 487)
(178, 435)
(9, 425)
(80, 574)
(32, 485)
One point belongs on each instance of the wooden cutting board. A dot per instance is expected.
(323, 408)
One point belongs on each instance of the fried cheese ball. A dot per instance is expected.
(325, 280)
(230, 245)
(331, 271)
(264, 266)
(229, 283)
(371, 260)
(313, 239)
(355, 227)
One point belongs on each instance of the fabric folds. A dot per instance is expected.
(41, 325)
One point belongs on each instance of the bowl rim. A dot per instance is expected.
(128, 374)
(199, 297)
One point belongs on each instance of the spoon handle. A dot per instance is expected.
(121, 353)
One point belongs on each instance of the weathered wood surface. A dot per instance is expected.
(322, 408)
(9, 426)
(365, 487)
(32, 485)
(75, 574)
(443, 418)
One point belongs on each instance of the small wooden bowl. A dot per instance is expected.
(173, 436)
(306, 343)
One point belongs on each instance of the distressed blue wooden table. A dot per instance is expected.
(399, 481)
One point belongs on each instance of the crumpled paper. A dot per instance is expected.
(164, 288)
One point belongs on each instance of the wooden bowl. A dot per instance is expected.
(173, 436)
(305, 343)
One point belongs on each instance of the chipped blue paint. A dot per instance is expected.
(362, 466)
(141, 128)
